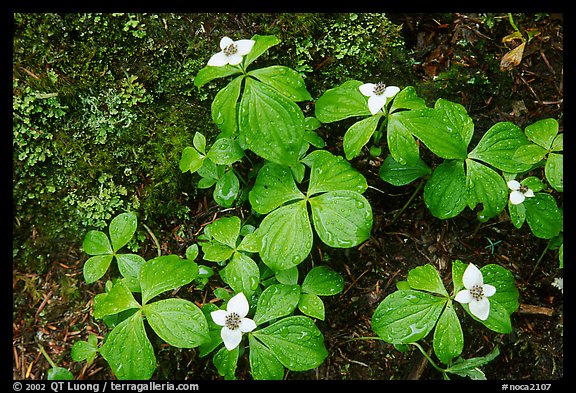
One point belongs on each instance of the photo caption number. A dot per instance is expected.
(35, 386)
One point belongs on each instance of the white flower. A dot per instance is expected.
(378, 95)
(519, 192)
(559, 283)
(476, 293)
(231, 53)
(233, 321)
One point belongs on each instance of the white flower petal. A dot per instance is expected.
(244, 46)
(480, 309)
(367, 89)
(375, 103)
(225, 42)
(516, 197)
(219, 317)
(391, 91)
(231, 338)
(513, 185)
(472, 276)
(529, 193)
(234, 59)
(463, 296)
(247, 325)
(488, 290)
(239, 305)
(218, 60)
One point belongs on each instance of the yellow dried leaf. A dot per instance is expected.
(512, 58)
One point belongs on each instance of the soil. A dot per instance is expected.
(54, 309)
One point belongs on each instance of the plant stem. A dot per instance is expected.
(428, 357)
(46, 356)
(153, 238)
(407, 203)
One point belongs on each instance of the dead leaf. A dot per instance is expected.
(512, 58)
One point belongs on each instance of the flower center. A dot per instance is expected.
(379, 88)
(230, 50)
(523, 189)
(232, 321)
(477, 292)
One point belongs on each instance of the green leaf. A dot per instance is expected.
(271, 125)
(128, 350)
(448, 336)
(274, 186)
(543, 216)
(469, 367)
(242, 274)
(95, 267)
(401, 143)
(558, 143)
(341, 102)
(178, 322)
(406, 316)
(216, 252)
(192, 252)
(209, 73)
(199, 142)
(191, 160)
(323, 281)
(445, 192)
(429, 126)
(312, 124)
(129, 264)
(224, 108)
(542, 132)
(96, 243)
(458, 269)
(517, 214)
(506, 291)
(278, 300)
(332, 173)
(225, 230)
(288, 276)
(227, 189)
(311, 305)
(286, 236)
(122, 228)
(295, 341)
(165, 273)
(358, 135)
(313, 138)
(456, 118)
(59, 374)
(342, 219)
(210, 170)
(119, 299)
(226, 362)
(554, 171)
(262, 44)
(407, 98)
(225, 151)
(285, 80)
(263, 363)
(399, 175)
(85, 350)
(487, 187)
(426, 278)
(498, 146)
(530, 154)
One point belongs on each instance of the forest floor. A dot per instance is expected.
(49, 308)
